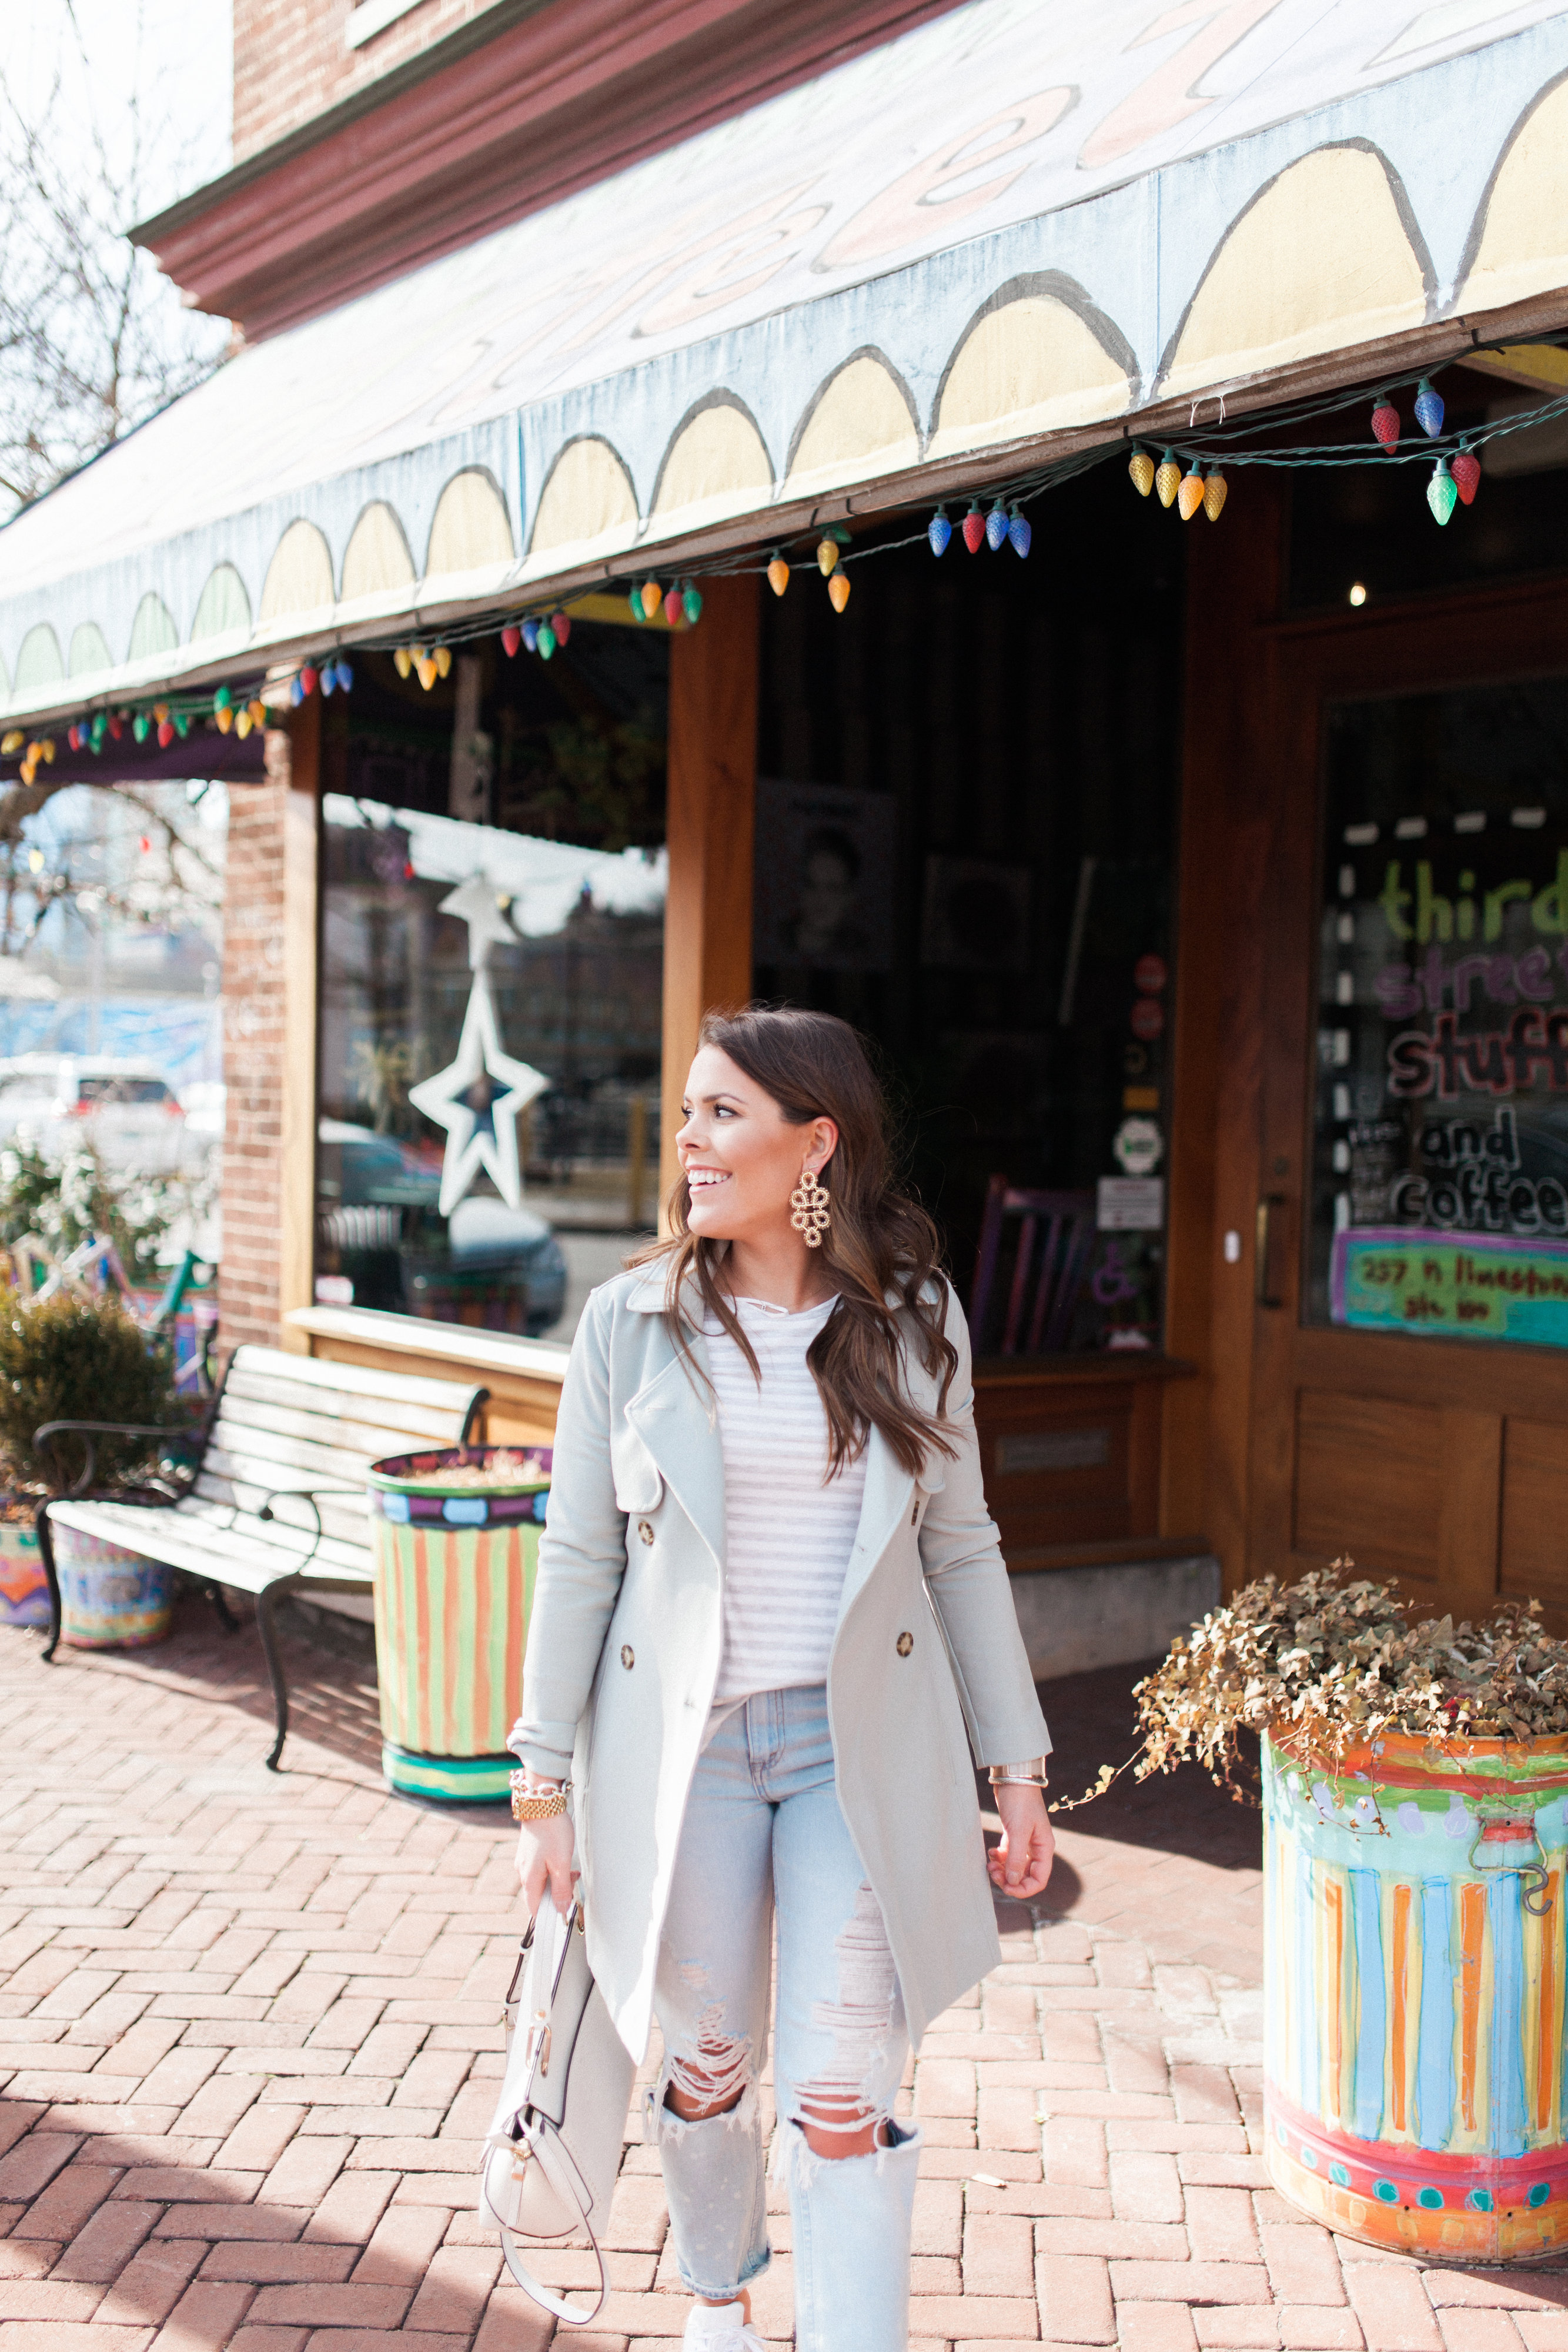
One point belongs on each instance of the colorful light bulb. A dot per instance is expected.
(693, 602)
(996, 528)
(328, 679)
(974, 527)
(139, 726)
(531, 629)
(1385, 422)
(546, 641)
(224, 719)
(511, 638)
(444, 661)
(652, 597)
(222, 699)
(1189, 493)
(562, 624)
(258, 709)
(827, 555)
(402, 661)
(296, 691)
(11, 742)
(1465, 470)
(242, 724)
(427, 671)
(1215, 491)
(307, 678)
(165, 733)
(1428, 409)
(1167, 481)
(1019, 533)
(939, 531)
(73, 739)
(345, 677)
(839, 590)
(635, 598)
(1442, 491)
(1141, 466)
(777, 573)
(676, 612)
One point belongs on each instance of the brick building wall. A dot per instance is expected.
(254, 1019)
(292, 59)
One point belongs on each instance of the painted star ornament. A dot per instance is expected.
(488, 926)
(477, 1100)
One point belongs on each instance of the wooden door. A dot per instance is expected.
(1412, 1136)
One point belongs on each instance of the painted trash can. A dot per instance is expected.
(1414, 2049)
(457, 1547)
(110, 1599)
(24, 1587)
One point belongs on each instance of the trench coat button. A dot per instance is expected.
(905, 1643)
(628, 1655)
(645, 1529)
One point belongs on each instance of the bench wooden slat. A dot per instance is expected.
(250, 1554)
(358, 1431)
(345, 1516)
(275, 1461)
(288, 1379)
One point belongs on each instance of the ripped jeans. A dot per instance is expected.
(763, 1831)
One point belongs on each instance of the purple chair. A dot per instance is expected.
(1055, 1232)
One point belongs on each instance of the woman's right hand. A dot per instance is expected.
(544, 1859)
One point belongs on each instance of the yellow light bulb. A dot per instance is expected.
(778, 576)
(402, 661)
(827, 555)
(1141, 466)
(444, 661)
(13, 741)
(839, 590)
(1167, 481)
(243, 722)
(1215, 492)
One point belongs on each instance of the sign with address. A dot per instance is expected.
(1462, 1285)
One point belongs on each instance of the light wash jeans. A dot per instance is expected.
(763, 1831)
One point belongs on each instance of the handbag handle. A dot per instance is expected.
(562, 2177)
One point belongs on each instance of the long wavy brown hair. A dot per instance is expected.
(881, 1248)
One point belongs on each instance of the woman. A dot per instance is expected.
(770, 1599)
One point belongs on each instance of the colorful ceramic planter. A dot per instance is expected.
(110, 1599)
(454, 1584)
(1415, 2063)
(24, 1587)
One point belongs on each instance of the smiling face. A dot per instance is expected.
(742, 1156)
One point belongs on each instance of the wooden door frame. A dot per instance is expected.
(1480, 637)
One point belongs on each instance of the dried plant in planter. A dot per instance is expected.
(1326, 1665)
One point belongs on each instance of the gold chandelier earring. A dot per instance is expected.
(809, 1205)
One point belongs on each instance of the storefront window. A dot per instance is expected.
(1440, 1165)
(964, 845)
(488, 1144)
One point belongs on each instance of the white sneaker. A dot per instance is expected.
(720, 2327)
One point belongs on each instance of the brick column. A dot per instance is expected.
(269, 1062)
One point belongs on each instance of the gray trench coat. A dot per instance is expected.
(624, 1641)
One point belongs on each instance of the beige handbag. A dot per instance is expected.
(553, 2150)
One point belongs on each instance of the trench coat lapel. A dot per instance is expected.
(675, 1418)
(884, 1503)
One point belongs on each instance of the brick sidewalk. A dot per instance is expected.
(252, 2030)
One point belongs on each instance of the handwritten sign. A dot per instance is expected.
(1461, 1286)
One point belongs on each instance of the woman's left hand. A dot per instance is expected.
(1020, 1865)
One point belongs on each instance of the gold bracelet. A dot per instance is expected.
(536, 1804)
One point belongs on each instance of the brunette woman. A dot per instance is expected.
(771, 1629)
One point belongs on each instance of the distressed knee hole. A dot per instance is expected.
(714, 2079)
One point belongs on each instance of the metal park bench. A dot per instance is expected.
(274, 1494)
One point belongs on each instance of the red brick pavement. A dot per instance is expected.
(250, 2029)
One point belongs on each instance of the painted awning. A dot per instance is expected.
(1015, 220)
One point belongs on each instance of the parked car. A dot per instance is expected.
(385, 1244)
(127, 1110)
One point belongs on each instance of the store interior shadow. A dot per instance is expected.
(1092, 1720)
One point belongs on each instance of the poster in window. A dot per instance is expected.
(1441, 1164)
(824, 878)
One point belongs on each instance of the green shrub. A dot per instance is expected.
(71, 1359)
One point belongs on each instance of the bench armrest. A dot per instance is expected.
(89, 1430)
(305, 1495)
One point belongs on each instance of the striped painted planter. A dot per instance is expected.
(1415, 2063)
(24, 1587)
(110, 1599)
(454, 1584)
